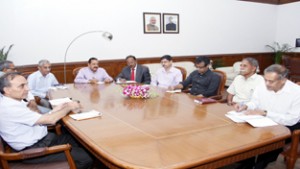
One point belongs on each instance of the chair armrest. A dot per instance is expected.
(35, 152)
(56, 127)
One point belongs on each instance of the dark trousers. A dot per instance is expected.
(263, 160)
(81, 158)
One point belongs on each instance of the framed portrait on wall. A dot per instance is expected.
(170, 23)
(152, 22)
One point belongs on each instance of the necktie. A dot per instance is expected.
(132, 74)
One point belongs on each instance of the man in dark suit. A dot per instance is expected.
(171, 26)
(134, 72)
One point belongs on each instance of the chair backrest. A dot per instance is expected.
(291, 151)
(292, 64)
(223, 77)
(183, 72)
(76, 70)
(26, 74)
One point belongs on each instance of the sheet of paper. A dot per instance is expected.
(59, 101)
(242, 116)
(100, 82)
(58, 87)
(126, 82)
(254, 120)
(173, 91)
(86, 115)
(261, 122)
(235, 119)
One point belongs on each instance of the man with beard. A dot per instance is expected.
(93, 73)
(278, 99)
(134, 72)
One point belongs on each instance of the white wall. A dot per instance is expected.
(43, 29)
(288, 25)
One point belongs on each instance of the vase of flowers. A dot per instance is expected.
(279, 50)
(136, 91)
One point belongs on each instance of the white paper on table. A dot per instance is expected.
(254, 120)
(174, 91)
(100, 82)
(58, 87)
(125, 82)
(59, 101)
(261, 122)
(234, 118)
(86, 115)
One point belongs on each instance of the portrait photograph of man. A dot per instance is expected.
(171, 23)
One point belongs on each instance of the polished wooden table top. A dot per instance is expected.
(168, 131)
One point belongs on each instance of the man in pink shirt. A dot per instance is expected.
(93, 73)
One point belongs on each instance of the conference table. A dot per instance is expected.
(168, 130)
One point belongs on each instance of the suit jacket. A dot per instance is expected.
(142, 74)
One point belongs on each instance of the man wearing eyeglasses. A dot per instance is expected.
(39, 82)
(204, 82)
(278, 99)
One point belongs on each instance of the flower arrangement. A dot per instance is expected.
(279, 50)
(136, 91)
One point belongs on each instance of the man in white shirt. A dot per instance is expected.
(243, 85)
(39, 82)
(22, 128)
(279, 99)
(167, 75)
(8, 66)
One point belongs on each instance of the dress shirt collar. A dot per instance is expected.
(205, 73)
(9, 99)
(252, 77)
(39, 74)
(285, 88)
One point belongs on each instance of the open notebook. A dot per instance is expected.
(254, 120)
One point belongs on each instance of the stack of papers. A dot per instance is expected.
(254, 120)
(56, 102)
(86, 115)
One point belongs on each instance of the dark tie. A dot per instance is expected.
(132, 74)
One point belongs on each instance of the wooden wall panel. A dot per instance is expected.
(114, 67)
